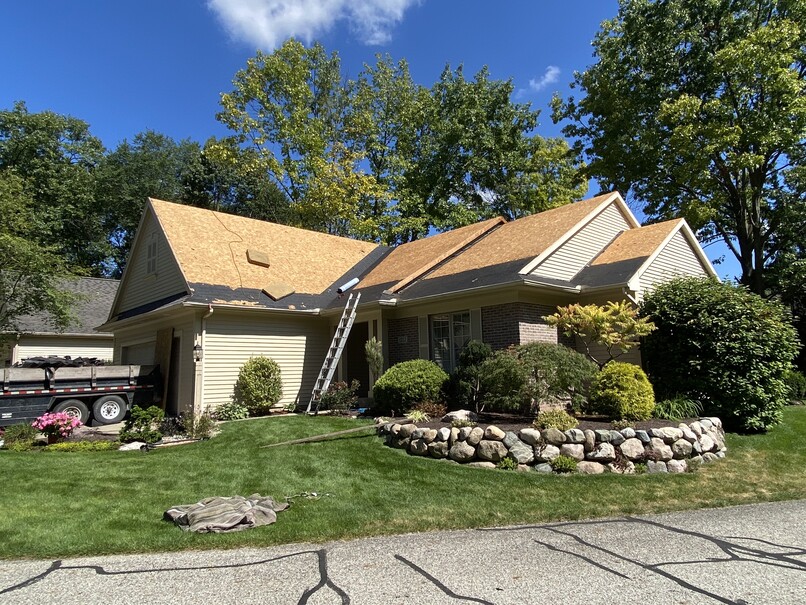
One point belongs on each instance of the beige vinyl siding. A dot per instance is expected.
(676, 259)
(42, 346)
(297, 344)
(136, 345)
(570, 258)
(141, 287)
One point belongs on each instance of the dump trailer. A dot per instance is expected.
(103, 393)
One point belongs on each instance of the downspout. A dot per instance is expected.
(202, 339)
(630, 295)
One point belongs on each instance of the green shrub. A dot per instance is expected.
(464, 390)
(460, 423)
(718, 344)
(507, 463)
(555, 419)
(796, 385)
(259, 385)
(564, 464)
(408, 383)
(339, 396)
(373, 350)
(502, 380)
(82, 446)
(417, 416)
(142, 425)
(556, 372)
(677, 408)
(231, 410)
(622, 391)
(198, 427)
(19, 437)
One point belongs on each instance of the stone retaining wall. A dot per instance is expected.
(663, 450)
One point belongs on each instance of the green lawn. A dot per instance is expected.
(66, 504)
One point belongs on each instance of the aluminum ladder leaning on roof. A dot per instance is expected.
(335, 351)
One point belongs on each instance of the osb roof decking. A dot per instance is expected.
(522, 239)
(211, 249)
(409, 261)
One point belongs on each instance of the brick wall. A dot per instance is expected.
(404, 343)
(516, 323)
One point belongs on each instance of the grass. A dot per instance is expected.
(69, 504)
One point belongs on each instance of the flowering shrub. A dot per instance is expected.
(56, 423)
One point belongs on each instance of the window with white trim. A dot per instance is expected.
(450, 333)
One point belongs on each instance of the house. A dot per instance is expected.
(36, 335)
(203, 291)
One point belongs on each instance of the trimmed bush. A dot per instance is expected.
(142, 425)
(622, 391)
(408, 383)
(723, 346)
(556, 372)
(259, 386)
(464, 387)
(231, 411)
(502, 384)
(555, 419)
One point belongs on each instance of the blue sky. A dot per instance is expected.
(126, 66)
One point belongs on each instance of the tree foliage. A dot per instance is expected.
(614, 326)
(383, 158)
(699, 108)
(722, 346)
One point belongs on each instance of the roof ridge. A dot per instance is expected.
(451, 252)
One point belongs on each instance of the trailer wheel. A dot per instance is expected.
(109, 409)
(75, 408)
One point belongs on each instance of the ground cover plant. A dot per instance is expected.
(50, 499)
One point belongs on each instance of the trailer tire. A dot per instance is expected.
(75, 408)
(109, 409)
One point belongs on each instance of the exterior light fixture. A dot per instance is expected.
(198, 354)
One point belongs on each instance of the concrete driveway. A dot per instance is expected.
(742, 555)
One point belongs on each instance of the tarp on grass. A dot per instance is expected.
(225, 514)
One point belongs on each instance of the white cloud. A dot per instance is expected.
(551, 75)
(268, 23)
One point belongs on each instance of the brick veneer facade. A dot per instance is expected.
(517, 323)
(404, 341)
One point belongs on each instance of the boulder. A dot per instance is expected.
(616, 438)
(418, 447)
(475, 435)
(628, 468)
(602, 435)
(401, 443)
(395, 429)
(632, 449)
(603, 452)
(642, 436)
(493, 433)
(574, 450)
(681, 449)
(553, 436)
(454, 435)
(510, 439)
(574, 436)
(656, 467)
(676, 466)
(530, 436)
(688, 434)
(590, 440)
(590, 468)
(696, 428)
(465, 415)
(481, 464)
(462, 452)
(443, 434)
(709, 457)
(628, 433)
(707, 443)
(464, 432)
(669, 434)
(494, 451)
(523, 453)
(546, 453)
(544, 467)
(406, 430)
(438, 449)
(706, 423)
(659, 449)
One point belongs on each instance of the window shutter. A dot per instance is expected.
(422, 330)
(475, 324)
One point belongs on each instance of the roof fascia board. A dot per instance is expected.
(65, 334)
(444, 256)
(110, 326)
(231, 307)
(635, 281)
(613, 197)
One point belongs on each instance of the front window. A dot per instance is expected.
(450, 333)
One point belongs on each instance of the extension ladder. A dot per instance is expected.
(334, 352)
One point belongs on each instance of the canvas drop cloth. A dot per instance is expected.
(224, 514)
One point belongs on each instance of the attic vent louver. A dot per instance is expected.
(277, 290)
(256, 257)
